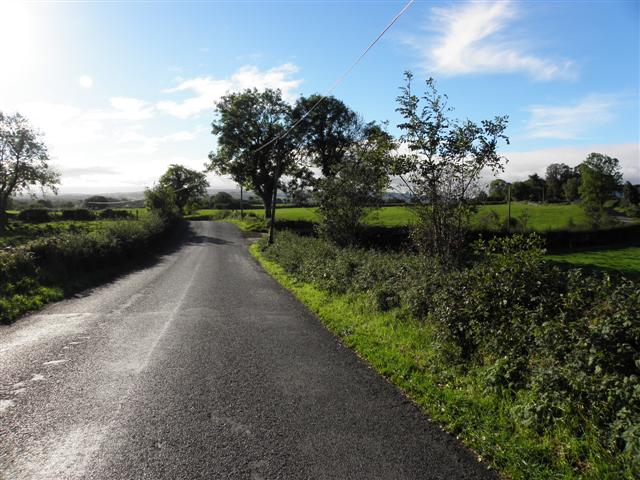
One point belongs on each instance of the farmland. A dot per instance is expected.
(539, 217)
(623, 260)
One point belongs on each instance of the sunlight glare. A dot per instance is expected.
(15, 33)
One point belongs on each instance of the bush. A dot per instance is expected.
(570, 341)
(34, 215)
(77, 214)
(43, 269)
(110, 214)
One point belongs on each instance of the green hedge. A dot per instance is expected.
(562, 345)
(47, 269)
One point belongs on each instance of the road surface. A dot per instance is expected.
(202, 366)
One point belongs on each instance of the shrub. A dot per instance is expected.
(77, 214)
(39, 271)
(568, 340)
(110, 214)
(34, 215)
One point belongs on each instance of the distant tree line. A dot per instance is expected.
(592, 182)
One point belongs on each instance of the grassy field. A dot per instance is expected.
(540, 217)
(624, 260)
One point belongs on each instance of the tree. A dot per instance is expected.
(555, 177)
(188, 185)
(97, 202)
(344, 160)
(630, 195)
(224, 200)
(246, 125)
(536, 188)
(600, 176)
(327, 132)
(24, 161)
(357, 182)
(442, 170)
(570, 189)
(498, 190)
(162, 201)
(521, 191)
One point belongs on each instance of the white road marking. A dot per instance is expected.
(6, 404)
(55, 362)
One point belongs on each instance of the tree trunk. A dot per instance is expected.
(4, 218)
(272, 224)
(266, 200)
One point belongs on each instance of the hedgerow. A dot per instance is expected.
(562, 345)
(45, 269)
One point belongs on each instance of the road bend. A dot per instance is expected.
(202, 366)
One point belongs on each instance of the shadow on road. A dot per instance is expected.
(203, 239)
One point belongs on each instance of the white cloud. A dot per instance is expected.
(147, 145)
(473, 38)
(124, 108)
(524, 163)
(570, 121)
(85, 81)
(62, 124)
(208, 90)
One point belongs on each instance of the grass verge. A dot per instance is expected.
(405, 352)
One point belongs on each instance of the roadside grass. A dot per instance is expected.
(623, 260)
(406, 353)
(541, 217)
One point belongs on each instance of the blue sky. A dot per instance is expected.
(123, 89)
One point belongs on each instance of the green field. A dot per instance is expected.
(18, 232)
(540, 217)
(624, 260)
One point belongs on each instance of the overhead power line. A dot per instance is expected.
(340, 79)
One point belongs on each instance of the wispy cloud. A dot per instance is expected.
(207, 90)
(473, 38)
(571, 121)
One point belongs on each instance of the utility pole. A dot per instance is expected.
(241, 204)
(509, 207)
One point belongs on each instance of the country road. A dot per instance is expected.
(202, 366)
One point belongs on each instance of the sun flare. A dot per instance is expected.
(16, 33)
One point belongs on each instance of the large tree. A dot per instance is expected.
(442, 170)
(188, 185)
(600, 176)
(355, 184)
(555, 177)
(326, 132)
(24, 161)
(498, 189)
(246, 125)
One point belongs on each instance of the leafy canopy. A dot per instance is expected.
(245, 122)
(24, 160)
(188, 185)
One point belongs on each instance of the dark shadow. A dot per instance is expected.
(203, 239)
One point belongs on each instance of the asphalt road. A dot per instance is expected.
(202, 366)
